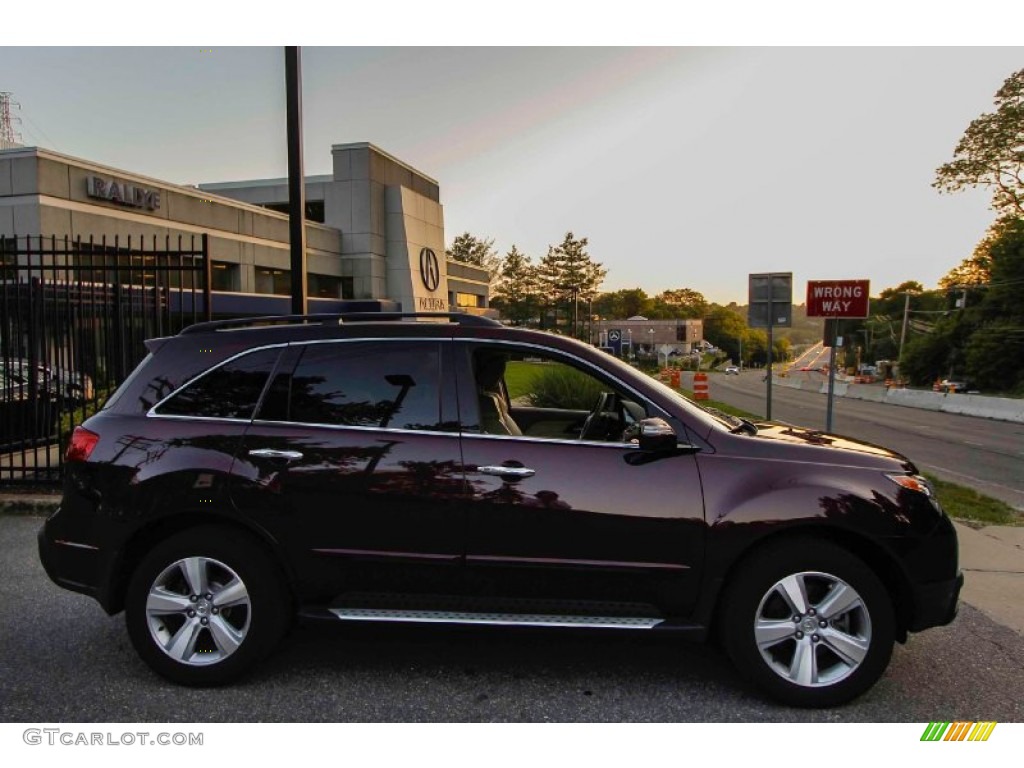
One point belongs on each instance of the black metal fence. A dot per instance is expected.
(73, 318)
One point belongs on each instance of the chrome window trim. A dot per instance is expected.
(549, 440)
(215, 419)
(317, 425)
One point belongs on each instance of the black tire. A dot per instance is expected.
(808, 664)
(186, 636)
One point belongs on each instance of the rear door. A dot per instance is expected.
(353, 459)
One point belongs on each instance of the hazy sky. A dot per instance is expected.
(683, 166)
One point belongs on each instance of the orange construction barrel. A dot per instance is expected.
(700, 386)
(675, 377)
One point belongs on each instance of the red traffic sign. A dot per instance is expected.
(837, 298)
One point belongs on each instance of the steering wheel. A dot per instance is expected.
(596, 426)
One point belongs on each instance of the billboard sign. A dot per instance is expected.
(838, 298)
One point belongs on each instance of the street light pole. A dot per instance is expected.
(296, 179)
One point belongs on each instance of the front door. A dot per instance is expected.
(560, 506)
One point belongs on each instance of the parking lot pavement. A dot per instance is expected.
(63, 659)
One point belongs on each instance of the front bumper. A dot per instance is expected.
(935, 604)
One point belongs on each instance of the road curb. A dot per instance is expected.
(29, 506)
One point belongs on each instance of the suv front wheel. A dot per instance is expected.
(204, 606)
(809, 623)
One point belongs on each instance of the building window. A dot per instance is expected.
(226, 277)
(348, 288)
(469, 300)
(275, 281)
(324, 286)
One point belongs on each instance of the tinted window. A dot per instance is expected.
(229, 392)
(373, 384)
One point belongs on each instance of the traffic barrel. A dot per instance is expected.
(675, 378)
(700, 386)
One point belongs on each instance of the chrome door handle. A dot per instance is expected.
(516, 472)
(271, 453)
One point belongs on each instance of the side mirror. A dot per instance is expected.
(657, 435)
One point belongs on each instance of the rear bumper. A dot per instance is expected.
(69, 564)
(935, 604)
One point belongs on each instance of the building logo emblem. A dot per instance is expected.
(430, 271)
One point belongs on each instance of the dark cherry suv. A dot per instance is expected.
(389, 468)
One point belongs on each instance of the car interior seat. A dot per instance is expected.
(495, 418)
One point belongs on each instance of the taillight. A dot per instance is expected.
(81, 444)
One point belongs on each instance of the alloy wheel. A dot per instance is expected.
(198, 611)
(812, 629)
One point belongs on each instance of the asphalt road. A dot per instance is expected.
(63, 659)
(983, 454)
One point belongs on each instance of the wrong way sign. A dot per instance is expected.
(838, 298)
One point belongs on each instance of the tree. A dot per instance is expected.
(991, 152)
(679, 304)
(995, 347)
(618, 305)
(516, 293)
(470, 249)
(982, 340)
(724, 327)
(569, 275)
(977, 269)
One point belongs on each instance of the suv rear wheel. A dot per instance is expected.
(809, 623)
(204, 606)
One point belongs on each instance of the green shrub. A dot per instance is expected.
(558, 386)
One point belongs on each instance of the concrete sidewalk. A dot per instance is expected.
(992, 559)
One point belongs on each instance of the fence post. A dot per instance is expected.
(208, 279)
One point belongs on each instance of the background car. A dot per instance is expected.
(732, 370)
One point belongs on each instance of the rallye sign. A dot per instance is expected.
(122, 193)
(837, 298)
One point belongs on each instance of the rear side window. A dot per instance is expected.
(230, 391)
(373, 384)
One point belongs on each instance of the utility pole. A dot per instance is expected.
(296, 180)
(903, 333)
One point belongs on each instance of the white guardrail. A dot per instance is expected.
(984, 406)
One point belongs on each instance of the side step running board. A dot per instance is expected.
(500, 619)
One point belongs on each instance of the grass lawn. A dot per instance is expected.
(967, 504)
(519, 376)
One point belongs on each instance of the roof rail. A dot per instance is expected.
(238, 323)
